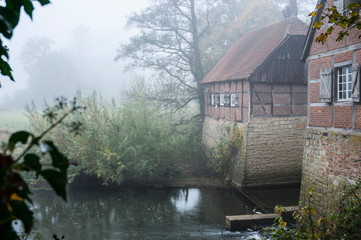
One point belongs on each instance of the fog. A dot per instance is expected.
(84, 36)
(87, 32)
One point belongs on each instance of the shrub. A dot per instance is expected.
(226, 151)
(344, 224)
(134, 139)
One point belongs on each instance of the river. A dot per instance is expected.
(139, 213)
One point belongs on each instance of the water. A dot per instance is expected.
(140, 213)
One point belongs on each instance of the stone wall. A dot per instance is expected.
(274, 151)
(271, 152)
(332, 160)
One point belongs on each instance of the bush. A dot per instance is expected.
(344, 224)
(226, 151)
(135, 139)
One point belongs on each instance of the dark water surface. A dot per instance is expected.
(140, 213)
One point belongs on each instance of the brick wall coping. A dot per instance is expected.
(336, 130)
(270, 117)
(334, 52)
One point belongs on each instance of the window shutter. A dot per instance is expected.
(355, 82)
(326, 85)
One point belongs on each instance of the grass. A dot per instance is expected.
(13, 120)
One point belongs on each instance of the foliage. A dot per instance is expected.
(135, 139)
(347, 19)
(10, 15)
(343, 224)
(14, 191)
(226, 151)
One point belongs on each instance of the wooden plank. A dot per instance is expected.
(242, 222)
(254, 221)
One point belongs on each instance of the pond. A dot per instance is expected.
(140, 213)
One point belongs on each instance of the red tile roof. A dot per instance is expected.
(252, 50)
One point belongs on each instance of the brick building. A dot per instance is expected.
(260, 84)
(332, 154)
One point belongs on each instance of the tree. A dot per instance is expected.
(347, 18)
(10, 15)
(179, 40)
(42, 63)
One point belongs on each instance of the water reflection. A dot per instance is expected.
(187, 199)
(139, 213)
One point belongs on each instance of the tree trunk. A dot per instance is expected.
(198, 68)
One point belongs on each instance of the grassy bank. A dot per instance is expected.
(13, 120)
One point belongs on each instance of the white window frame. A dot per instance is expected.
(221, 99)
(344, 83)
(212, 99)
(233, 100)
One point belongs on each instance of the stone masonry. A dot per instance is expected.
(332, 161)
(273, 149)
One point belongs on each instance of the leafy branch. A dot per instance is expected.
(9, 19)
(347, 19)
(14, 191)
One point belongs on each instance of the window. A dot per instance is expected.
(344, 83)
(345, 87)
(342, 4)
(221, 100)
(227, 102)
(234, 100)
(211, 99)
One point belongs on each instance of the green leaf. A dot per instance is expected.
(32, 161)
(21, 136)
(22, 212)
(57, 181)
(28, 7)
(43, 2)
(5, 69)
(58, 159)
(317, 25)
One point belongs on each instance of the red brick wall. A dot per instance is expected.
(320, 116)
(287, 100)
(228, 113)
(318, 47)
(331, 40)
(342, 117)
(317, 64)
(358, 117)
(334, 115)
(300, 110)
(233, 87)
(314, 92)
(353, 38)
(342, 57)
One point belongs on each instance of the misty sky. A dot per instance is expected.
(88, 31)
(103, 22)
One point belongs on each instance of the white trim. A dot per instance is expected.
(221, 100)
(334, 52)
(346, 78)
(343, 103)
(315, 81)
(342, 64)
(320, 104)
